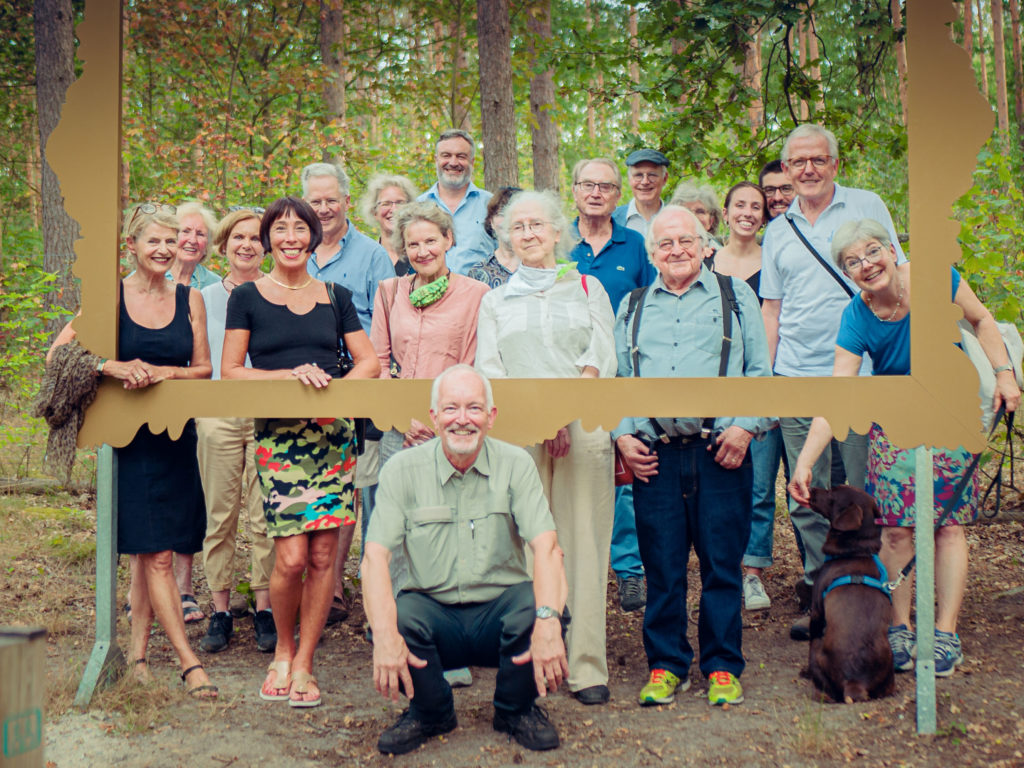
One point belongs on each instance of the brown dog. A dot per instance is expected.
(850, 658)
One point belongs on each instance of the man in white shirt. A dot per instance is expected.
(804, 301)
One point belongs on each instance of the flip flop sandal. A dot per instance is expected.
(138, 678)
(281, 669)
(190, 609)
(300, 685)
(205, 691)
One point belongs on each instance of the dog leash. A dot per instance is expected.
(951, 502)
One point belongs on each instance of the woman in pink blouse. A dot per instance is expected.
(423, 322)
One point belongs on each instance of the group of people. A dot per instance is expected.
(462, 287)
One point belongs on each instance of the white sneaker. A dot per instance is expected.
(754, 596)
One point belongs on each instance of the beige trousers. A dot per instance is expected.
(581, 492)
(227, 466)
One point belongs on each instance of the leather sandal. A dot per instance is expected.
(300, 686)
(204, 691)
(190, 609)
(275, 691)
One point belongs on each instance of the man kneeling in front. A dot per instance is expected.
(461, 508)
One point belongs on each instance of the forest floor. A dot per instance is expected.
(46, 577)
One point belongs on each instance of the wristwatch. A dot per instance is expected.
(547, 612)
(100, 364)
(1001, 368)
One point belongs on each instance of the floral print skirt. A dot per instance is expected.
(891, 482)
(306, 468)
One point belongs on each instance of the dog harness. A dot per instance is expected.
(881, 583)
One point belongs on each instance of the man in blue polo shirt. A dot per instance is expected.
(617, 257)
(456, 193)
(803, 303)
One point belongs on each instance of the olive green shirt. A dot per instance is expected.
(462, 534)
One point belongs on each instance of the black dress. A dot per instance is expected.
(160, 503)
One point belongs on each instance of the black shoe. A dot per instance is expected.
(338, 611)
(595, 694)
(801, 629)
(531, 728)
(408, 733)
(218, 633)
(266, 632)
(632, 593)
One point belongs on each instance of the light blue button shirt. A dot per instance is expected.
(812, 301)
(628, 216)
(681, 337)
(359, 265)
(472, 243)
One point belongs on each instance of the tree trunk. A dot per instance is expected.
(901, 54)
(55, 71)
(332, 53)
(543, 131)
(979, 44)
(458, 106)
(1018, 65)
(634, 70)
(801, 42)
(497, 113)
(812, 54)
(752, 79)
(591, 122)
(999, 65)
(969, 28)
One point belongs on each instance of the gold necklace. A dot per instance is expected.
(291, 287)
(899, 299)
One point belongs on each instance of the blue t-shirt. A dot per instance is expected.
(621, 266)
(887, 343)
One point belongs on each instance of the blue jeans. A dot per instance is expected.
(693, 501)
(766, 455)
(625, 554)
(478, 634)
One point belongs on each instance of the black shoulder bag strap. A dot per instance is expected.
(805, 241)
(346, 364)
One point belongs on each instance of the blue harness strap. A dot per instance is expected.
(881, 583)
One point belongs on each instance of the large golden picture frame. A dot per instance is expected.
(936, 406)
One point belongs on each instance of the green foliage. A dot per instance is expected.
(991, 215)
(23, 317)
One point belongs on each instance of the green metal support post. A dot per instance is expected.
(106, 662)
(924, 547)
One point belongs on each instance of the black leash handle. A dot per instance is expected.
(947, 508)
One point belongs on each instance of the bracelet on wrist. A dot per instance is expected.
(1001, 368)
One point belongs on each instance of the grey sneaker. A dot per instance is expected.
(632, 593)
(904, 647)
(948, 654)
(754, 596)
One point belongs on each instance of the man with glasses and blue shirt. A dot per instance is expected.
(616, 256)
(804, 298)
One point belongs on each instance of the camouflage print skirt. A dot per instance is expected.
(306, 467)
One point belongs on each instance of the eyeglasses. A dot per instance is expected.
(785, 189)
(647, 175)
(383, 205)
(536, 227)
(818, 162)
(872, 255)
(685, 242)
(255, 209)
(605, 187)
(148, 208)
